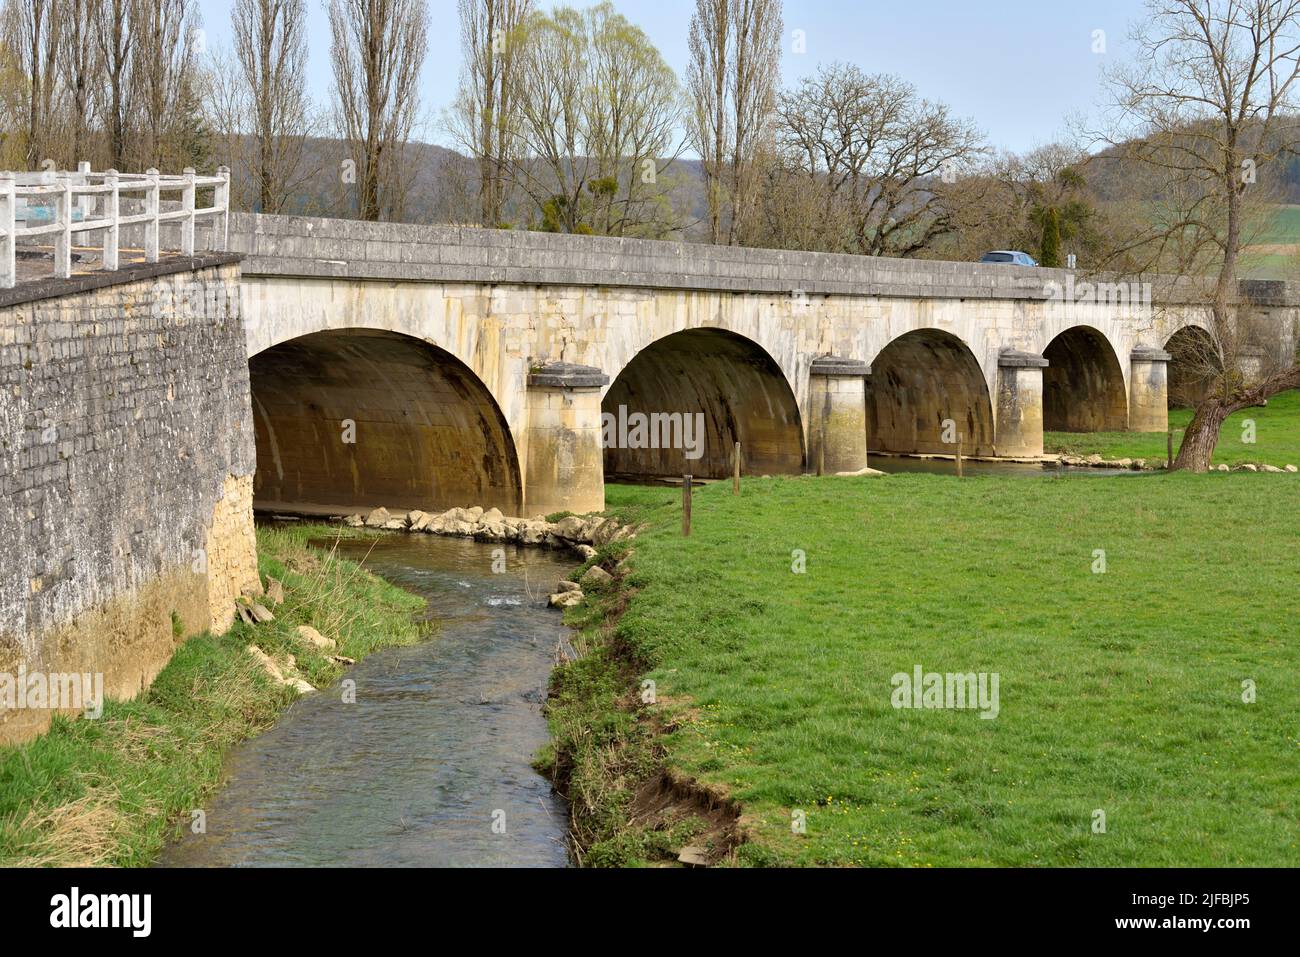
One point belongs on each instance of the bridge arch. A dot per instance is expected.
(1192, 359)
(730, 381)
(355, 418)
(919, 382)
(1083, 384)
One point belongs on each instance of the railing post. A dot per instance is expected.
(221, 200)
(63, 238)
(152, 207)
(8, 241)
(85, 203)
(113, 213)
(187, 204)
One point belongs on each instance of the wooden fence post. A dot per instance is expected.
(735, 480)
(959, 470)
(686, 506)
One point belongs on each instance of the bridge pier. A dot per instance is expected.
(837, 426)
(566, 459)
(1020, 403)
(1148, 390)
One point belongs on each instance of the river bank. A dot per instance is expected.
(111, 791)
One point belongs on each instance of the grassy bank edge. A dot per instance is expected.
(114, 790)
(628, 807)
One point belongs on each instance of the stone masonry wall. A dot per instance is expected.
(126, 463)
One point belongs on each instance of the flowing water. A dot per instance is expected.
(901, 463)
(437, 747)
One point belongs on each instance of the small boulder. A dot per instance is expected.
(1248, 467)
(274, 590)
(313, 637)
(586, 551)
(261, 614)
(474, 514)
(1270, 468)
(532, 533)
(596, 577)
(1291, 468)
(565, 599)
(693, 856)
(566, 585)
(378, 518)
(570, 529)
(394, 525)
(492, 516)
(1224, 468)
(354, 521)
(414, 517)
(341, 659)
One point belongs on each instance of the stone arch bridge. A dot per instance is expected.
(432, 366)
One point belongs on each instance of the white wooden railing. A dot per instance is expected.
(86, 203)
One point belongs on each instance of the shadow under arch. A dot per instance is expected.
(918, 382)
(729, 382)
(426, 432)
(1083, 384)
(1192, 361)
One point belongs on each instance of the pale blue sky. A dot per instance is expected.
(1016, 67)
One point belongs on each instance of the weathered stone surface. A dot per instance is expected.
(378, 518)
(586, 551)
(566, 599)
(571, 528)
(126, 472)
(596, 577)
(1292, 468)
(274, 590)
(566, 585)
(313, 637)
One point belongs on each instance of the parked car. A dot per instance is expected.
(1012, 257)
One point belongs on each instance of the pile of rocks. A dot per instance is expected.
(583, 534)
(1249, 467)
(1096, 461)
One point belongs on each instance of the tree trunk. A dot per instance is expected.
(1202, 436)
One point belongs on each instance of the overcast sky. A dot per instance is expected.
(1016, 67)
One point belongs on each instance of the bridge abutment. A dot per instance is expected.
(837, 434)
(566, 459)
(1020, 403)
(1148, 390)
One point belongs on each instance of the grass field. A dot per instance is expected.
(1120, 692)
(111, 791)
(1277, 437)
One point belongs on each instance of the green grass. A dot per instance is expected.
(1120, 692)
(111, 791)
(1277, 437)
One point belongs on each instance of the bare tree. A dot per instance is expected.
(1207, 103)
(732, 79)
(80, 67)
(114, 23)
(377, 49)
(710, 127)
(31, 31)
(482, 118)
(271, 46)
(879, 157)
(163, 81)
